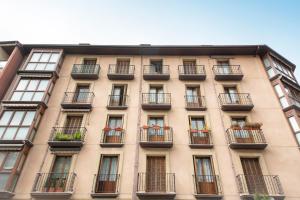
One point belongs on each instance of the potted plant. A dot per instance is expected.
(77, 136)
(118, 129)
(156, 127)
(106, 129)
(193, 130)
(166, 127)
(61, 185)
(145, 127)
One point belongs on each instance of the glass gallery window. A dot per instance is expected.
(30, 90)
(43, 61)
(15, 124)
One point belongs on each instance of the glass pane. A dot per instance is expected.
(35, 57)
(45, 57)
(1, 133)
(22, 84)
(54, 57)
(38, 96)
(10, 133)
(3, 181)
(17, 118)
(10, 160)
(5, 117)
(271, 73)
(28, 118)
(294, 124)
(32, 85)
(22, 133)
(284, 102)
(27, 96)
(40, 66)
(50, 67)
(30, 66)
(279, 90)
(298, 138)
(16, 96)
(43, 85)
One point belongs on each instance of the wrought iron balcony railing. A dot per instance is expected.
(117, 102)
(156, 101)
(236, 101)
(259, 184)
(228, 72)
(152, 72)
(112, 137)
(78, 100)
(120, 72)
(192, 72)
(156, 136)
(200, 138)
(84, 71)
(195, 102)
(207, 185)
(105, 185)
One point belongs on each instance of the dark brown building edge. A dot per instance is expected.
(14, 50)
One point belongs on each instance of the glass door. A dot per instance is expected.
(114, 135)
(241, 134)
(156, 174)
(205, 179)
(122, 66)
(107, 176)
(189, 67)
(156, 130)
(82, 94)
(231, 95)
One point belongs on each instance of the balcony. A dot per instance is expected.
(266, 185)
(153, 73)
(156, 101)
(200, 139)
(294, 103)
(195, 103)
(67, 138)
(112, 137)
(82, 71)
(207, 187)
(235, 102)
(191, 72)
(246, 138)
(117, 102)
(7, 187)
(120, 72)
(105, 186)
(159, 186)
(228, 73)
(53, 185)
(78, 100)
(156, 137)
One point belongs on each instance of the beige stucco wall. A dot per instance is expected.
(281, 157)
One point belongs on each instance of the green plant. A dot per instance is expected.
(77, 136)
(261, 197)
(63, 137)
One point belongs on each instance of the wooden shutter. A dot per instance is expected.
(156, 174)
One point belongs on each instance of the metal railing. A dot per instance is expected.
(243, 135)
(78, 97)
(106, 183)
(86, 69)
(68, 134)
(227, 70)
(156, 98)
(191, 69)
(54, 182)
(117, 100)
(156, 182)
(156, 134)
(121, 69)
(259, 184)
(235, 99)
(194, 101)
(207, 184)
(112, 136)
(200, 136)
(156, 70)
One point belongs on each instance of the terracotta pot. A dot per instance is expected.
(119, 129)
(166, 128)
(145, 127)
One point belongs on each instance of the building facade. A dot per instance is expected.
(150, 122)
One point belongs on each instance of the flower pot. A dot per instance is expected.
(119, 129)
(166, 128)
(145, 127)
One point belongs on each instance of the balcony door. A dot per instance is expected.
(156, 67)
(156, 174)
(118, 95)
(81, 94)
(189, 67)
(73, 124)
(241, 135)
(107, 176)
(114, 135)
(156, 95)
(89, 65)
(58, 178)
(122, 66)
(224, 67)
(197, 125)
(204, 176)
(193, 96)
(156, 132)
(231, 95)
(253, 176)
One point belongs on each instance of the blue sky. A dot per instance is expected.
(272, 22)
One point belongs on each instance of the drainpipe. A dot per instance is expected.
(137, 147)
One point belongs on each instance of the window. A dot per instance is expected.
(193, 96)
(283, 69)
(197, 123)
(118, 95)
(122, 66)
(73, 124)
(15, 125)
(156, 95)
(43, 61)
(156, 67)
(231, 95)
(30, 90)
(7, 163)
(189, 67)
(107, 175)
(81, 94)
(294, 124)
(89, 61)
(278, 90)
